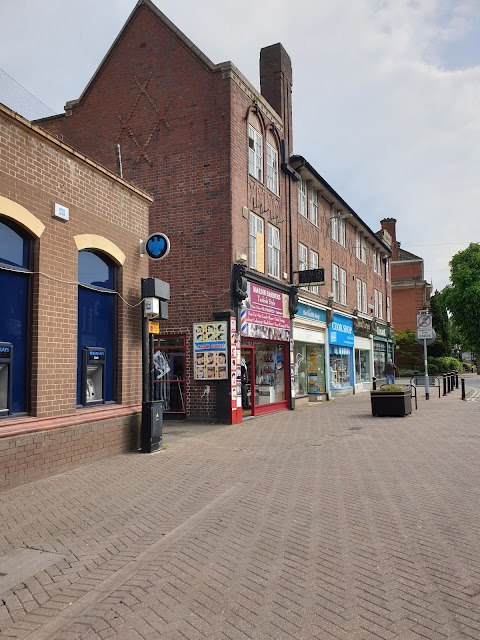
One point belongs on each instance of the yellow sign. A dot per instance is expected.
(153, 327)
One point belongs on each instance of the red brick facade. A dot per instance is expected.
(182, 124)
(410, 291)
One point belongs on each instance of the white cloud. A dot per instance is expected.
(379, 108)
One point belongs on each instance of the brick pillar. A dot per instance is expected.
(389, 225)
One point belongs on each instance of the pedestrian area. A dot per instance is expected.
(321, 523)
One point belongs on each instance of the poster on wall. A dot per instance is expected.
(210, 351)
(265, 314)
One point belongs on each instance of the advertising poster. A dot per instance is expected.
(210, 351)
(233, 362)
(266, 314)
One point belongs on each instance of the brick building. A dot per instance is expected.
(410, 291)
(240, 211)
(69, 280)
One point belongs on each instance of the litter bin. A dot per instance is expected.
(152, 424)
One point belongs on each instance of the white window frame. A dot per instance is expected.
(387, 270)
(302, 198)
(272, 169)
(302, 257)
(376, 261)
(357, 244)
(364, 297)
(375, 303)
(358, 284)
(389, 317)
(342, 232)
(255, 223)
(380, 305)
(255, 153)
(343, 287)
(335, 282)
(313, 206)
(334, 221)
(314, 265)
(273, 257)
(363, 249)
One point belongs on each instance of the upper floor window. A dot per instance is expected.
(342, 233)
(380, 305)
(387, 301)
(302, 257)
(302, 198)
(335, 283)
(358, 239)
(387, 270)
(272, 169)
(334, 217)
(313, 206)
(363, 249)
(343, 286)
(361, 296)
(256, 243)
(314, 265)
(255, 153)
(375, 303)
(273, 251)
(377, 261)
(364, 297)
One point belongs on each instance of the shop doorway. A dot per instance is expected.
(247, 378)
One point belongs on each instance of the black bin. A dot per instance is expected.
(152, 423)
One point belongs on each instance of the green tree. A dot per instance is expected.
(462, 295)
(443, 341)
(408, 352)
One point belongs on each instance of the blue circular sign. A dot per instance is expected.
(157, 246)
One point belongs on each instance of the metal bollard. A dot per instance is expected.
(448, 382)
(463, 388)
(453, 379)
(456, 379)
(444, 384)
(374, 383)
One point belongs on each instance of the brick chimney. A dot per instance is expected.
(389, 225)
(276, 86)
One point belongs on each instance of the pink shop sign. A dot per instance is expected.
(267, 307)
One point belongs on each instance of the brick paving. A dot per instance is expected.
(323, 523)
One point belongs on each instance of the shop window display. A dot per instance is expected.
(379, 360)
(339, 371)
(269, 373)
(362, 366)
(300, 369)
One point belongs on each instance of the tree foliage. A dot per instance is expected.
(443, 341)
(462, 295)
(408, 351)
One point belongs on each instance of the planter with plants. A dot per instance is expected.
(391, 400)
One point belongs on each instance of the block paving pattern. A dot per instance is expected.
(323, 523)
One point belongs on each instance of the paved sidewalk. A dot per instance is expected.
(321, 523)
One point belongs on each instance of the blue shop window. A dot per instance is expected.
(97, 315)
(14, 317)
(13, 247)
(96, 271)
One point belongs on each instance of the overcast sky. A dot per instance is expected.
(386, 93)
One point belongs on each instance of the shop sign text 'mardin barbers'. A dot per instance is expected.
(267, 313)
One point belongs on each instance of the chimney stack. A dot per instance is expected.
(389, 225)
(276, 85)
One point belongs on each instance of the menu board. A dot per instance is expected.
(210, 351)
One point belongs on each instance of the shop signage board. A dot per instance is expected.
(265, 314)
(341, 331)
(210, 350)
(311, 313)
(362, 327)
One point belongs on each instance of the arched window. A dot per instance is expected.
(15, 327)
(97, 315)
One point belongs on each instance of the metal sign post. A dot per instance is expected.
(425, 333)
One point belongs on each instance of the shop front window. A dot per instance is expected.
(169, 372)
(300, 369)
(269, 373)
(379, 359)
(316, 368)
(340, 368)
(362, 365)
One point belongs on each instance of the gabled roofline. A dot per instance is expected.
(298, 162)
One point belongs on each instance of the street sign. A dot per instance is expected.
(421, 337)
(424, 320)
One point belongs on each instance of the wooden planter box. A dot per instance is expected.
(391, 403)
